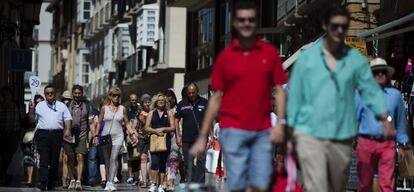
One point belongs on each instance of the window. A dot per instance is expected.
(86, 10)
(85, 68)
(86, 58)
(87, 5)
(150, 40)
(151, 26)
(151, 12)
(201, 47)
(151, 19)
(35, 34)
(151, 33)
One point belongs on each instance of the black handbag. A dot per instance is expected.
(106, 140)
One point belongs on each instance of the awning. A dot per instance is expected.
(289, 62)
(397, 22)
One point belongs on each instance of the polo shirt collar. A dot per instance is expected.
(321, 47)
(235, 44)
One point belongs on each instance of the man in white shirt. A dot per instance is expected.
(53, 122)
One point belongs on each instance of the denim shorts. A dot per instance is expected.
(247, 158)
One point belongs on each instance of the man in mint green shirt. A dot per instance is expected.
(321, 107)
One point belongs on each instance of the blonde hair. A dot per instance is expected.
(113, 90)
(155, 99)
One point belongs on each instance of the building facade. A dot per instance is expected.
(17, 21)
(41, 57)
(69, 54)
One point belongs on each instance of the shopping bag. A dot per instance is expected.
(406, 165)
(212, 160)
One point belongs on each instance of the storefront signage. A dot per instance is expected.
(359, 44)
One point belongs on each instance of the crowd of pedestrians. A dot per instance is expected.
(333, 100)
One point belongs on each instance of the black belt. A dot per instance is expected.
(50, 130)
(378, 138)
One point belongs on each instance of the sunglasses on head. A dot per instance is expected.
(336, 26)
(116, 95)
(244, 19)
(377, 72)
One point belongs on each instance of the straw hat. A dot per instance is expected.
(66, 95)
(380, 64)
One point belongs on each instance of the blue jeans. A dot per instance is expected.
(92, 163)
(247, 158)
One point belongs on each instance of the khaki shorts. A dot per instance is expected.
(76, 148)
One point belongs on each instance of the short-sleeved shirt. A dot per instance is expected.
(246, 78)
(132, 112)
(52, 116)
(191, 122)
(81, 116)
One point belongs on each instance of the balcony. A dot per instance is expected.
(290, 11)
(100, 19)
(87, 32)
(190, 4)
(108, 13)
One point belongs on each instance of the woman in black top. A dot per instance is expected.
(160, 121)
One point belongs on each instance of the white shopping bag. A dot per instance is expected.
(212, 160)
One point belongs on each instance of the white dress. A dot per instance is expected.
(116, 131)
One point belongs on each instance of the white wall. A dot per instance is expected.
(175, 36)
(44, 47)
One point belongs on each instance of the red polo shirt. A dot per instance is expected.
(246, 79)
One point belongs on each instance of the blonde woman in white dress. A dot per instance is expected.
(115, 117)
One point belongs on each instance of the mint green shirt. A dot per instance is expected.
(321, 102)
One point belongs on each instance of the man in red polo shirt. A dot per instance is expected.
(242, 78)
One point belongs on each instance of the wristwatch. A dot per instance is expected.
(389, 118)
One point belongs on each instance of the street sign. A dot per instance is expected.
(35, 85)
(21, 60)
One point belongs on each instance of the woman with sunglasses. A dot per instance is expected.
(115, 116)
(160, 122)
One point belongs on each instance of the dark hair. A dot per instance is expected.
(5, 89)
(37, 96)
(78, 87)
(335, 10)
(49, 86)
(242, 5)
(170, 93)
(184, 92)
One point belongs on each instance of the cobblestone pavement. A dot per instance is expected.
(219, 185)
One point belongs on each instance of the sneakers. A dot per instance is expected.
(78, 186)
(130, 180)
(160, 189)
(103, 183)
(65, 184)
(152, 188)
(72, 184)
(110, 187)
(116, 181)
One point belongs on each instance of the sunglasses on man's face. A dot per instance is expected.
(380, 72)
(336, 26)
(49, 93)
(244, 19)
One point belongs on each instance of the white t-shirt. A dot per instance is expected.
(52, 116)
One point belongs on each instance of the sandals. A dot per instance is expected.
(143, 185)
